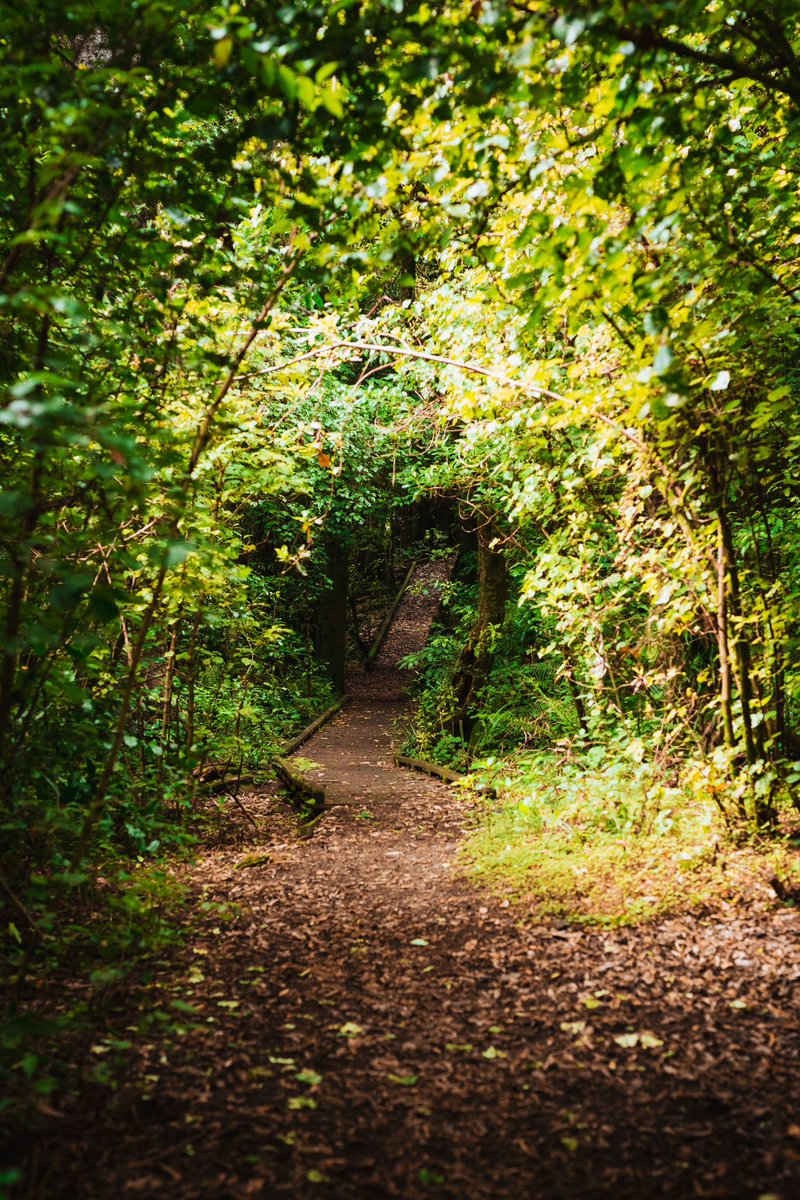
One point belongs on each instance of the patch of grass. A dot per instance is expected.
(611, 844)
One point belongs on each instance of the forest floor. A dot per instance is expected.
(350, 1016)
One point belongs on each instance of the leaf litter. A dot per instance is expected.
(684, 1083)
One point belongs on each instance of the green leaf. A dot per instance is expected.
(349, 1030)
(663, 360)
(178, 552)
(222, 52)
(182, 1006)
(429, 1178)
(103, 605)
(568, 29)
(312, 1078)
(330, 98)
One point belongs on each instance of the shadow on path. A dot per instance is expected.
(365, 1023)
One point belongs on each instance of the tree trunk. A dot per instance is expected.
(725, 675)
(740, 644)
(575, 691)
(331, 624)
(166, 701)
(477, 656)
(191, 668)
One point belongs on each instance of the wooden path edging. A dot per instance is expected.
(380, 637)
(446, 774)
(301, 787)
(313, 794)
(296, 742)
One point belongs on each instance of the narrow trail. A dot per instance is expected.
(366, 1023)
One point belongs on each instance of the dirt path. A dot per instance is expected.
(364, 1023)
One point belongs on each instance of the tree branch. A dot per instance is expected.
(405, 352)
(649, 39)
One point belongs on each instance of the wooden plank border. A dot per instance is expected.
(301, 787)
(296, 742)
(380, 637)
(446, 774)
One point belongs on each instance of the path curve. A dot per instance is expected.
(366, 1024)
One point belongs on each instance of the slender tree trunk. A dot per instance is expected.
(575, 691)
(741, 647)
(192, 678)
(166, 704)
(477, 656)
(725, 674)
(331, 639)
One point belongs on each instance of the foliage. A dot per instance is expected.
(523, 703)
(152, 224)
(160, 502)
(270, 276)
(605, 838)
(625, 321)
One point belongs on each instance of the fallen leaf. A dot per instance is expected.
(182, 1006)
(253, 860)
(312, 1078)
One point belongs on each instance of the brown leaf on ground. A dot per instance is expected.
(368, 1025)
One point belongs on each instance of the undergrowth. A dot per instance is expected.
(605, 822)
(600, 840)
(102, 941)
(523, 703)
(76, 942)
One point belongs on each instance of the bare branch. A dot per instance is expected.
(405, 352)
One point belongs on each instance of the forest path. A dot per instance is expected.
(364, 1023)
